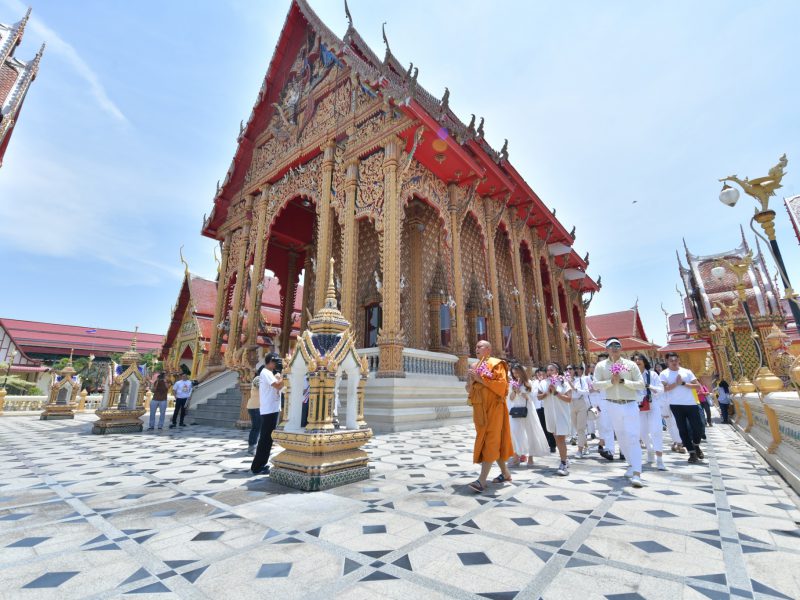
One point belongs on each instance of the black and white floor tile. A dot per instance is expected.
(177, 514)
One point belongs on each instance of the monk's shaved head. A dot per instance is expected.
(483, 349)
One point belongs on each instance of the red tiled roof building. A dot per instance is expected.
(625, 325)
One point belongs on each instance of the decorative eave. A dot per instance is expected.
(12, 37)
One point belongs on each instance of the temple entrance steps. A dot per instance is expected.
(216, 401)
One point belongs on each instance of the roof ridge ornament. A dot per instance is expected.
(479, 131)
(348, 15)
(471, 126)
(183, 260)
(504, 151)
(445, 100)
(386, 42)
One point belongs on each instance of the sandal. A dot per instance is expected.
(502, 479)
(476, 486)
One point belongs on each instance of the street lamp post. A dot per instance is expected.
(762, 189)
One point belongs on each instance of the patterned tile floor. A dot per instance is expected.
(176, 514)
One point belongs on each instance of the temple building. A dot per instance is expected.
(438, 240)
(714, 318)
(626, 326)
(186, 343)
(793, 208)
(15, 78)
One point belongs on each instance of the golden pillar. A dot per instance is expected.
(219, 317)
(288, 301)
(573, 340)
(559, 332)
(241, 281)
(325, 228)
(390, 338)
(460, 347)
(350, 250)
(257, 278)
(495, 328)
(584, 329)
(541, 307)
(417, 304)
(523, 349)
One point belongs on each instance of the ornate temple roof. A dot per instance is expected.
(682, 332)
(15, 78)
(703, 290)
(793, 208)
(202, 295)
(474, 161)
(626, 325)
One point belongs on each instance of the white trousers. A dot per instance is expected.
(625, 421)
(604, 426)
(672, 426)
(577, 409)
(650, 428)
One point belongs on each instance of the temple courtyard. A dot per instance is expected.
(177, 514)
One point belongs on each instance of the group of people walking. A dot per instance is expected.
(618, 401)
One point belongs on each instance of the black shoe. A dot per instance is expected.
(593, 436)
(693, 458)
(710, 425)
(606, 454)
(262, 471)
(702, 437)
(183, 424)
(172, 426)
(149, 429)
(699, 452)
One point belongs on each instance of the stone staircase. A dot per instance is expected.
(216, 402)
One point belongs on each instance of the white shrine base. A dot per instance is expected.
(415, 402)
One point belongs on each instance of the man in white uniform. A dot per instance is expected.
(269, 386)
(621, 380)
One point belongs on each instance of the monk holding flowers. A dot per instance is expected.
(487, 388)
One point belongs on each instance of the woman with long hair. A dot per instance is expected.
(650, 428)
(526, 431)
(724, 400)
(556, 395)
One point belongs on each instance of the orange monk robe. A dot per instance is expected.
(490, 414)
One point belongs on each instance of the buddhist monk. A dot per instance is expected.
(487, 387)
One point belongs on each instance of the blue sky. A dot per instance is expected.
(135, 112)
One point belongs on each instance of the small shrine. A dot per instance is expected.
(323, 365)
(63, 392)
(124, 403)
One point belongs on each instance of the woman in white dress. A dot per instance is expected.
(650, 428)
(526, 431)
(556, 395)
(669, 419)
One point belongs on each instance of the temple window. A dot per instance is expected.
(372, 320)
(444, 325)
(508, 344)
(480, 328)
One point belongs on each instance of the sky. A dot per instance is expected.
(623, 115)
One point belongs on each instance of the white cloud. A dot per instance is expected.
(57, 45)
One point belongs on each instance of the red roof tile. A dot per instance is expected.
(51, 338)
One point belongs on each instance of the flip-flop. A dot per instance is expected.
(501, 479)
(476, 486)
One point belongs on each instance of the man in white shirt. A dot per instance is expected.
(621, 380)
(182, 390)
(269, 386)
(605, 430)
(679, 386)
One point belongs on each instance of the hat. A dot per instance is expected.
(611, 341)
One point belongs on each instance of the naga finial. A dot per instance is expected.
(471, 126)
(183, 260)
(504, 151)
(385, 39)
(762, 188)
(480, 128)
(446, 99)
(347, 14)
(572, 233)
(410, 69)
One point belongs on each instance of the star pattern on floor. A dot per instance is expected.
(177, 513)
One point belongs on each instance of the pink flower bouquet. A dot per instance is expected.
(618, 369)
(556, 380)
(515, 385)
(484, 371)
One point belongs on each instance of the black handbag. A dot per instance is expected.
(518, 412)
